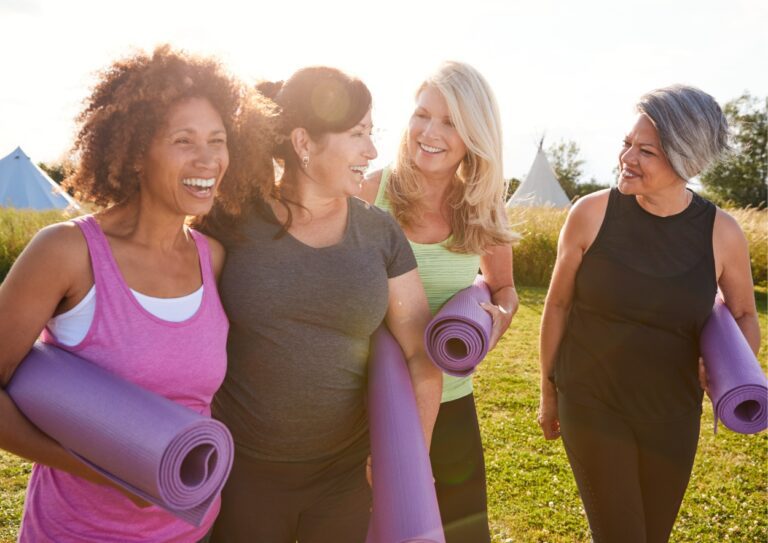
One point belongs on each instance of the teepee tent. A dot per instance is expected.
(540, 187)
(24, 185)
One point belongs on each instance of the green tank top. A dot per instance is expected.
(443, 274)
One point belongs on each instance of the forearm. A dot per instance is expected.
(427, 381)
(553, 323)
(22, 438)
(506, 298)
(750, 327)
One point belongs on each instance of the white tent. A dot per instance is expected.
(540, 187)
(24, 185)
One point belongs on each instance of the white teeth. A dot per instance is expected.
(198, 182)
(430, 149)
(359, 169)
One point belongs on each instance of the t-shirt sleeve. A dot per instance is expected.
(400, 255)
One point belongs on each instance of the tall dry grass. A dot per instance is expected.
(17, 226)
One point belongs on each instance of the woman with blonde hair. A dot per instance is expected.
(446, 190)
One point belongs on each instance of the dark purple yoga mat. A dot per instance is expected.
(737, 385)
(404, 502)
(155, 448)
(458, 336)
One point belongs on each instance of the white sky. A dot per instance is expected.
(570, 69)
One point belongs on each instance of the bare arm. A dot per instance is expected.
(50, 276)
(734, 276)
(407, 317)
(578, 233)
(496, 266)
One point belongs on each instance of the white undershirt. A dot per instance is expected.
(71, 327)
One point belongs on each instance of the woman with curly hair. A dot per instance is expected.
(446, 190)
(313, 274)
(130, 288)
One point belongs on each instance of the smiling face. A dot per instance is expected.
(186, 159)
(434, 144)
(644, 167)
(338, 161)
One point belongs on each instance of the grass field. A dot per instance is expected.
(531, 491)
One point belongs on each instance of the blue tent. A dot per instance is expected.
(24, 185)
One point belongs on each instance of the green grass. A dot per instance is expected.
(532, 496)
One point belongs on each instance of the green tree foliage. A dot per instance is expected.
(740, 178)
(512, 184)
(564, 159)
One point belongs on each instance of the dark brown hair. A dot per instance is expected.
(130, 102)
(320, 99)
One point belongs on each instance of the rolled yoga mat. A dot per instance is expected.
(153, 447)
(405, 506)
(737, 386)
(458, 336)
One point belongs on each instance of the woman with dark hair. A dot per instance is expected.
(311, 272)
(130, 288)
(637, 270)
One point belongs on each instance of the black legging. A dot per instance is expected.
(631, 475)
(459, 470)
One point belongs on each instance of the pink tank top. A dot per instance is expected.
(183, 361)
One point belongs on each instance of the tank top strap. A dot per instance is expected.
(204, 254)
(381, 201)
(102, 262)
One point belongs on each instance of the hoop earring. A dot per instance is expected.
(305, 161)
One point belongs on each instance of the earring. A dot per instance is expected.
(305, 161)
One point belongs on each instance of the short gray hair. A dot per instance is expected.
(691, 126)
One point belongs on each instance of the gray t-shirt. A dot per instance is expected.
(301, 320)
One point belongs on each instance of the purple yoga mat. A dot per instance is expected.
(737, 385)
(155, 448)
(458, 336)
(404, 502)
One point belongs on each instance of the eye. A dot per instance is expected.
(449, 123)
(625, 144)
(182, 141)
(219, 141)
(647, 152)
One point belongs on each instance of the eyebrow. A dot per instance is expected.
(193, 131)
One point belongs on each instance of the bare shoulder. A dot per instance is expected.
(371, 187)
(726, 227)
(585, 218)
(218, 255)
(61, 246)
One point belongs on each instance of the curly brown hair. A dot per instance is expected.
(130, 102)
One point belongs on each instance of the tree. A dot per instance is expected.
(58, 171)
(740, 178)
(512, 185)
(564, 159)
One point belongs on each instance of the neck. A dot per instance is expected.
(144, 224)
(666, 203)
(435, 188)
(307, 198)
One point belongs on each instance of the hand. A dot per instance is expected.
(502, 318)
(703, 380)
(548, 419)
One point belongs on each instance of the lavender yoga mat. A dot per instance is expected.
(458, 336)
(155, 448)
(404, 502)
(737, 385)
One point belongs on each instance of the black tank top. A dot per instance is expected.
(643, 292)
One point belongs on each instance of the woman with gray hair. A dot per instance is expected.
(637, 270)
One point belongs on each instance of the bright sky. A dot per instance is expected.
(569, 69)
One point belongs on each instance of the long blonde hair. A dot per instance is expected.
(476, 197)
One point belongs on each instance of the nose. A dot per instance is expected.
(370, 150)
(628, 155)
(208, 158)
(431, 130)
